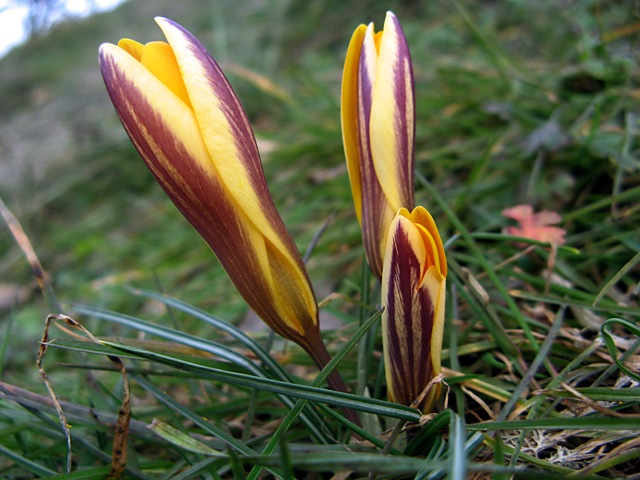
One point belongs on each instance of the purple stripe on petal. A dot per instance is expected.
(376, 214)
(365, 97)
(404, 273)
(404, 97)
(409, 321)
(195, 192)
(248, 154)
(229, 103)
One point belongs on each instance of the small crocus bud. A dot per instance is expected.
(189, 127)
(378, 130)
(413, 297)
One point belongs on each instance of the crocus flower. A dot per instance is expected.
(413, 297)
(378, 130)
(189, 127)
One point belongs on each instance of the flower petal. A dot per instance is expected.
(413, 297)
(392, 124)
(349, 115)
(377, 214)
(423, 220)
(227, 132)
(166, 133)
(434, 283)
(408, 315)
(132, 47)
(159, 59)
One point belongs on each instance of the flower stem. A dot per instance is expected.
(320, 355)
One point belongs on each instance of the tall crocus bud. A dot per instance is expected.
(189, 127)
(413, 297)
(378, 130)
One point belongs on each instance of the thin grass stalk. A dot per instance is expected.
(24, 462)
(561, 376)
(193, 417)
(202, 344)
(629, 194)
(540, 358)
(492, 323)
(5, 343)
(285, 456)
(453, 338)
(538, 462)
(87, 447)
(457, 451)
(331, 397)
(197, 468)
(363, 350)
(491, 49)
(498, 457)
(459, 225)
(356, 429)
(262, 354)
(251, 411)
(612, 348)
(239, 335)
(590, 422)
(288, 420)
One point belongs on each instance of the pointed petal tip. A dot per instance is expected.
(163, 22)
(391, 22)
(105, 46)
(106, 50)
(391, 17)
(102, 53)
(166, 23)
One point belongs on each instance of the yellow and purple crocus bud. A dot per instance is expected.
(413, 297)
(189, 127)
(378, 130)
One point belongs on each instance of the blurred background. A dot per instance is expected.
(517, 102)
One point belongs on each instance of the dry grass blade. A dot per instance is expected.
(594, 405)
(24, 243)
(595, 466)
(73, 410)
(63, 419)
(119, 452)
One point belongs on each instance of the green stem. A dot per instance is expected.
(321, 357)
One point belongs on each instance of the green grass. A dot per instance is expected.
(517, 102)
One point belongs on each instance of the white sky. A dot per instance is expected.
(12, 19)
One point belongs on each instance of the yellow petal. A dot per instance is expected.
(132, 47)
(226, 131)
(274, 284)
(141, 82)
(421, 216)
(436, 284)
(233, 155)
(349, 116)
(413, 297)
(392, 117)
(158, 57)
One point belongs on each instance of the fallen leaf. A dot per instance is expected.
(535, 226)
